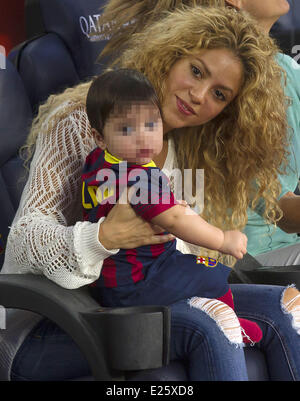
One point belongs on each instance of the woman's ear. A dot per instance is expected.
(237, 4)
(99, 139)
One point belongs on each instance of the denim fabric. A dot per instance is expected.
(49, 354)
(280, 342)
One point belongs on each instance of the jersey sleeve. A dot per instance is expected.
(149, 192)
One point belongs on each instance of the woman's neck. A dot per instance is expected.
(266, 25)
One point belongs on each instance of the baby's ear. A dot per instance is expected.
(99, 139)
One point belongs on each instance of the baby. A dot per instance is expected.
(126, 120)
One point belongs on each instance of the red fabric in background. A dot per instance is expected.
(12, 27)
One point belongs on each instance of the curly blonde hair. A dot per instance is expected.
(243, 149)
(122, 18)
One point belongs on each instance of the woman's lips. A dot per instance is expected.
(184, 107)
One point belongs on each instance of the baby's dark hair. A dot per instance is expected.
(114, 89)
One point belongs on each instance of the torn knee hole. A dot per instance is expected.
(222, 314)
(291, 304)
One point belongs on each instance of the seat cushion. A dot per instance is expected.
(176, 371)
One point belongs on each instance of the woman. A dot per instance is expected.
(271, 244)
(211, 69)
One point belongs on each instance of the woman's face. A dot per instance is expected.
(199, 87)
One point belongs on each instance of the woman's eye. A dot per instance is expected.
(196, 71)
(220, 95)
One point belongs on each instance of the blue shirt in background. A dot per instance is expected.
(263, 237)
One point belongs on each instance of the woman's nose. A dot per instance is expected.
(198, 94)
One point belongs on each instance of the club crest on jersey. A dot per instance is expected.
(207, 261)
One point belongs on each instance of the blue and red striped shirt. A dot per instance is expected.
(104, 178)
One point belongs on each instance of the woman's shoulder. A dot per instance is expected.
(291, 67)
(64, 111)
(67, 127)
(64, 105)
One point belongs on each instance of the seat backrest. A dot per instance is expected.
(62, 47)
(15, 119)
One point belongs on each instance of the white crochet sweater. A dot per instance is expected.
(47, 236)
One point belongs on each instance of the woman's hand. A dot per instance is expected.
(290, 205)
(122, 228)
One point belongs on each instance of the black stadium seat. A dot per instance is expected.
(62, 46)
(15, 119)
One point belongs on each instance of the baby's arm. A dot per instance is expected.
(190, 227)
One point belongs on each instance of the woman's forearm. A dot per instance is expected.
(66, 255)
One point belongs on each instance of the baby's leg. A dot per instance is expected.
(235, 329)
(207, 278)
(250, 330)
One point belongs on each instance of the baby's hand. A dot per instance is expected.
(182, 202)
(235, 244)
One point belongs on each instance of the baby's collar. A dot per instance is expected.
(114, 160)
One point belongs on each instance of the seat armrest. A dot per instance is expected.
(249, 271)
(275, 275)
(111, 339)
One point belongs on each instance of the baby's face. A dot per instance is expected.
(134, 133)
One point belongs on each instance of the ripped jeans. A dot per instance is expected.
(50, 354)
(209, 354)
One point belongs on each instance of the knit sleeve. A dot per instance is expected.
(48, 235)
